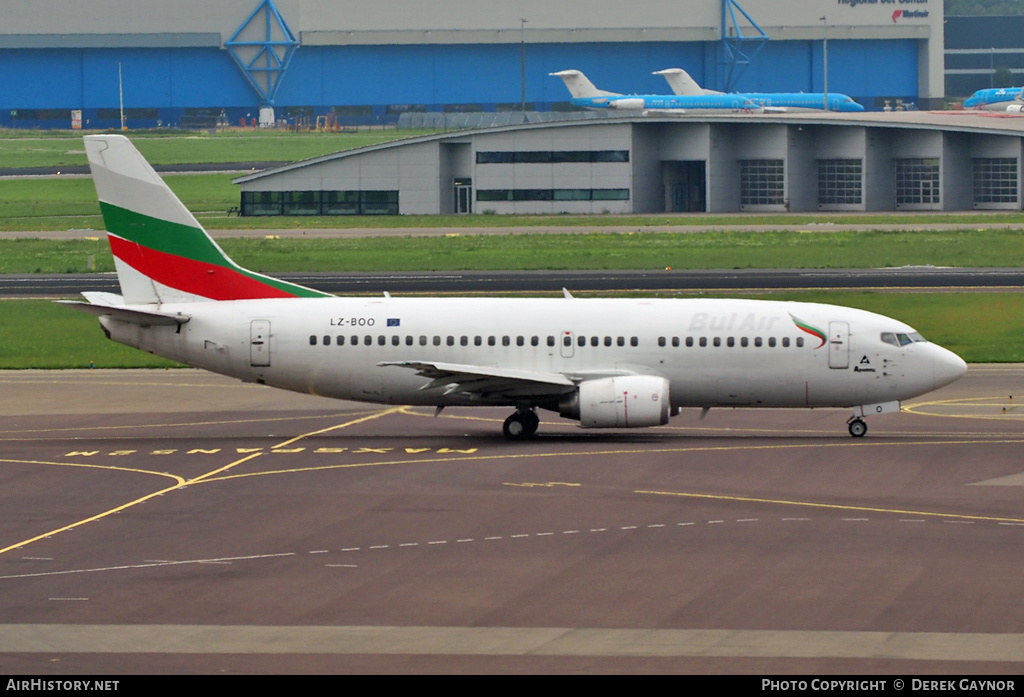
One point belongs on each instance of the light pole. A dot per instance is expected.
(522, 66)
(824, 50)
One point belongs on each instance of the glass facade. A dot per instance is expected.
(840, 182)
(995, 180)
(319, 203)
(917, 181)
(762, 182)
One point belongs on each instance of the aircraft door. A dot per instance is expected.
(568, 340)
(838, 345)
(259, 343)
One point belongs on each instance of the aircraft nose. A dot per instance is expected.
(948, 367)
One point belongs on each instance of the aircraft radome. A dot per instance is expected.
(607, 363)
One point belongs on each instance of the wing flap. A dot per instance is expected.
(487, 381)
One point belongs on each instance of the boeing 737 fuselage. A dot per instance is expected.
(605, 363)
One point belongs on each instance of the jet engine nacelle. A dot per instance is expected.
(626, 104)
(629, 401)
(1015, 108)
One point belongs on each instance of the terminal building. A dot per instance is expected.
(196, 63)
(909, 161)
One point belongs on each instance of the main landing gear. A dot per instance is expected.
(521, 424)
(857, 427)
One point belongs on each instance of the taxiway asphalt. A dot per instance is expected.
(176, 521)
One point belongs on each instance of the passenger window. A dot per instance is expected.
(730, 342)
(464, 341)
(799, 342)
(450, 341)
(490, 341)
(520, 341)
(621, 341)
(675, 341)
(757, 342)
(368, 340)
(581, 341)
(505, 341)
(423, 340)
(595, 341)
(478, 341)
(785, 342)
(312, 339)
(551, 341)
(661, 341)
(327, 340)
(408, 340)
(689, 342)
(382, 340)
(717, 341)
(607, 341)
(437, 341)
(534, 341)
(771, 342)
(703, 341)
(743, 342)
(340, 340)
(633, 341)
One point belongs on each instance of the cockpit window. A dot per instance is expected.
(897, 339)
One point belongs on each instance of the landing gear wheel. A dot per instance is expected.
(858, 428)
(522, 424)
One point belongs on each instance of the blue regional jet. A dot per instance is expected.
(997, 99)
(682, 84)
(585, 95)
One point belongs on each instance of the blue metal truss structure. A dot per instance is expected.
(263, 47)
(736, 54)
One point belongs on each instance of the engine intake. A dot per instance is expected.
(630, 401)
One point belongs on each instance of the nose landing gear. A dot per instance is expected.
(857, 427)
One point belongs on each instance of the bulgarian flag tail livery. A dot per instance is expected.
(161, 252)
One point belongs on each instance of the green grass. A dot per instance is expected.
(42, 334)
(590, 250)
(57, 148)
(980, 327)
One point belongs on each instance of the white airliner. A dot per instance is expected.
(607, 363)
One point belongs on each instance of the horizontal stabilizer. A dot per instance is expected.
(110, 305)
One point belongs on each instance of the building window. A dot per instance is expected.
(301, 203)
(261, 203)
(762, 183)
(319, 203)
(506, 157)
(995, 179)
(839, 182)
(552, 195)
(917, 181)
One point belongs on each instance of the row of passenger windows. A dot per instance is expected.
(731, 341)
(382, 340)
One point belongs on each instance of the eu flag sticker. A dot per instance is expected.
(394, 322)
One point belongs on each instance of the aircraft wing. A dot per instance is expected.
(488, 381)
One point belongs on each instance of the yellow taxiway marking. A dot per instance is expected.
(834, 506)
(371, 417)
(180, 482)
(850, 443)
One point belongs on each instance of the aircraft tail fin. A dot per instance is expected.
(579, 86)
(161, 252)
(682, 83)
